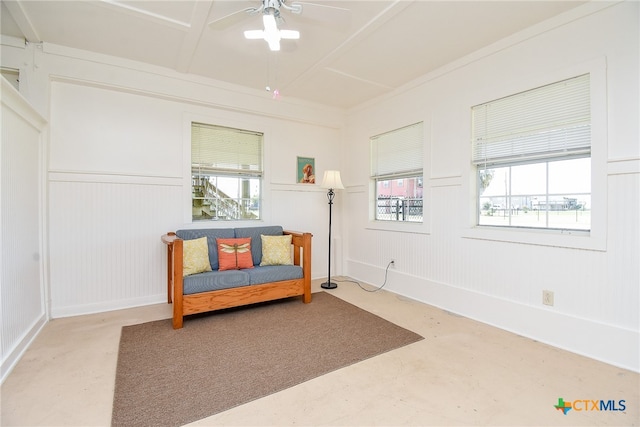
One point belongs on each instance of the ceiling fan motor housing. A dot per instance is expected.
(276, 4)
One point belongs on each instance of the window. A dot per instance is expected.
(226, 173)
(532, 154)
(396, 173)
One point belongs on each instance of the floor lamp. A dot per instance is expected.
(331, 181)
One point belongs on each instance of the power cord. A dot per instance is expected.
(386, 272)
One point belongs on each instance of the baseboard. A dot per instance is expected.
(13, 356)
(78, 310)
(607, 343)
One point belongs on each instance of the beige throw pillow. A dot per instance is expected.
(276, 250)
(195, 256)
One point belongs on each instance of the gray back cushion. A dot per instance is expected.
(256, 240)
(211, 234)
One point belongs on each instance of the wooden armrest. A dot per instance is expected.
(299, 239)
(169, 238)
(302, 249)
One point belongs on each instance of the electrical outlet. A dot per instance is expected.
(393, 262)
(547, 297)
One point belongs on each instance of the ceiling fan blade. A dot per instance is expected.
(326, 14)
(232, 18)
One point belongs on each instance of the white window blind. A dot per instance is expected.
(225, 151)
(549, 121)
(397, 153)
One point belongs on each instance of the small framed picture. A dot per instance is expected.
(306, 168)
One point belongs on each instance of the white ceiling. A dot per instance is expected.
(349, 51)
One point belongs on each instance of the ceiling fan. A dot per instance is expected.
(271, 18)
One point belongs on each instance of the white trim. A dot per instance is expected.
(13, 42)
(150, 16)
(623, 166)
(446, 181)
(210, 93)
(399, 226)
(574, 239)
(14, 101)
(14, 355)
(78, 310)
(423, 227)
(612, 344)
(107, 177)
(254, 126)
(597, 237)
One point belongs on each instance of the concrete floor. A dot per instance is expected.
(462, 373)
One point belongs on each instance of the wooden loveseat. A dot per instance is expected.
(212, 290)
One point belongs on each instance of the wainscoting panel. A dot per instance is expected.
(621, 289)
(105, 248)
(501, 283)
(22, 292)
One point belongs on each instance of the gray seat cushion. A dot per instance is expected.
(274, 273)
(215, 280)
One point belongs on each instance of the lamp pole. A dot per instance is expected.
(328, 284)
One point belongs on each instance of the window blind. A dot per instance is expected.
(397, 153)
(549, 121)
(225, 151)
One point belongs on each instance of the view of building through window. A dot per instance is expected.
(226, 173)
(554, 194)
(223, 197)
(396, 173)
(400, 199)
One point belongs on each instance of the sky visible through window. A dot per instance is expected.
(561, 188)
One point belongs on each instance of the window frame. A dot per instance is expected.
(595, 239)
(186, 207)
(423, 227)
(396, 169)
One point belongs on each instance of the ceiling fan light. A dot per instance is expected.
(274, 45)
(254, 34)
(290, 34)
(271, 34)
(269, 21)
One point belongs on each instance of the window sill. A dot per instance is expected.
(399, 227)
(574, 239)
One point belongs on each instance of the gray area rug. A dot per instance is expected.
(220, 360)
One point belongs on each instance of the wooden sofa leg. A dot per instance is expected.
(178, 314)
(178, 285)
(177, 321)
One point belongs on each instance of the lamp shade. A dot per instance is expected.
(332, 180)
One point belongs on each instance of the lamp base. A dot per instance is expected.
(329, 285)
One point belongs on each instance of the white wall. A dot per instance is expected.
(22, 290)
(117, 178)
(498, 277)
(118, 168)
